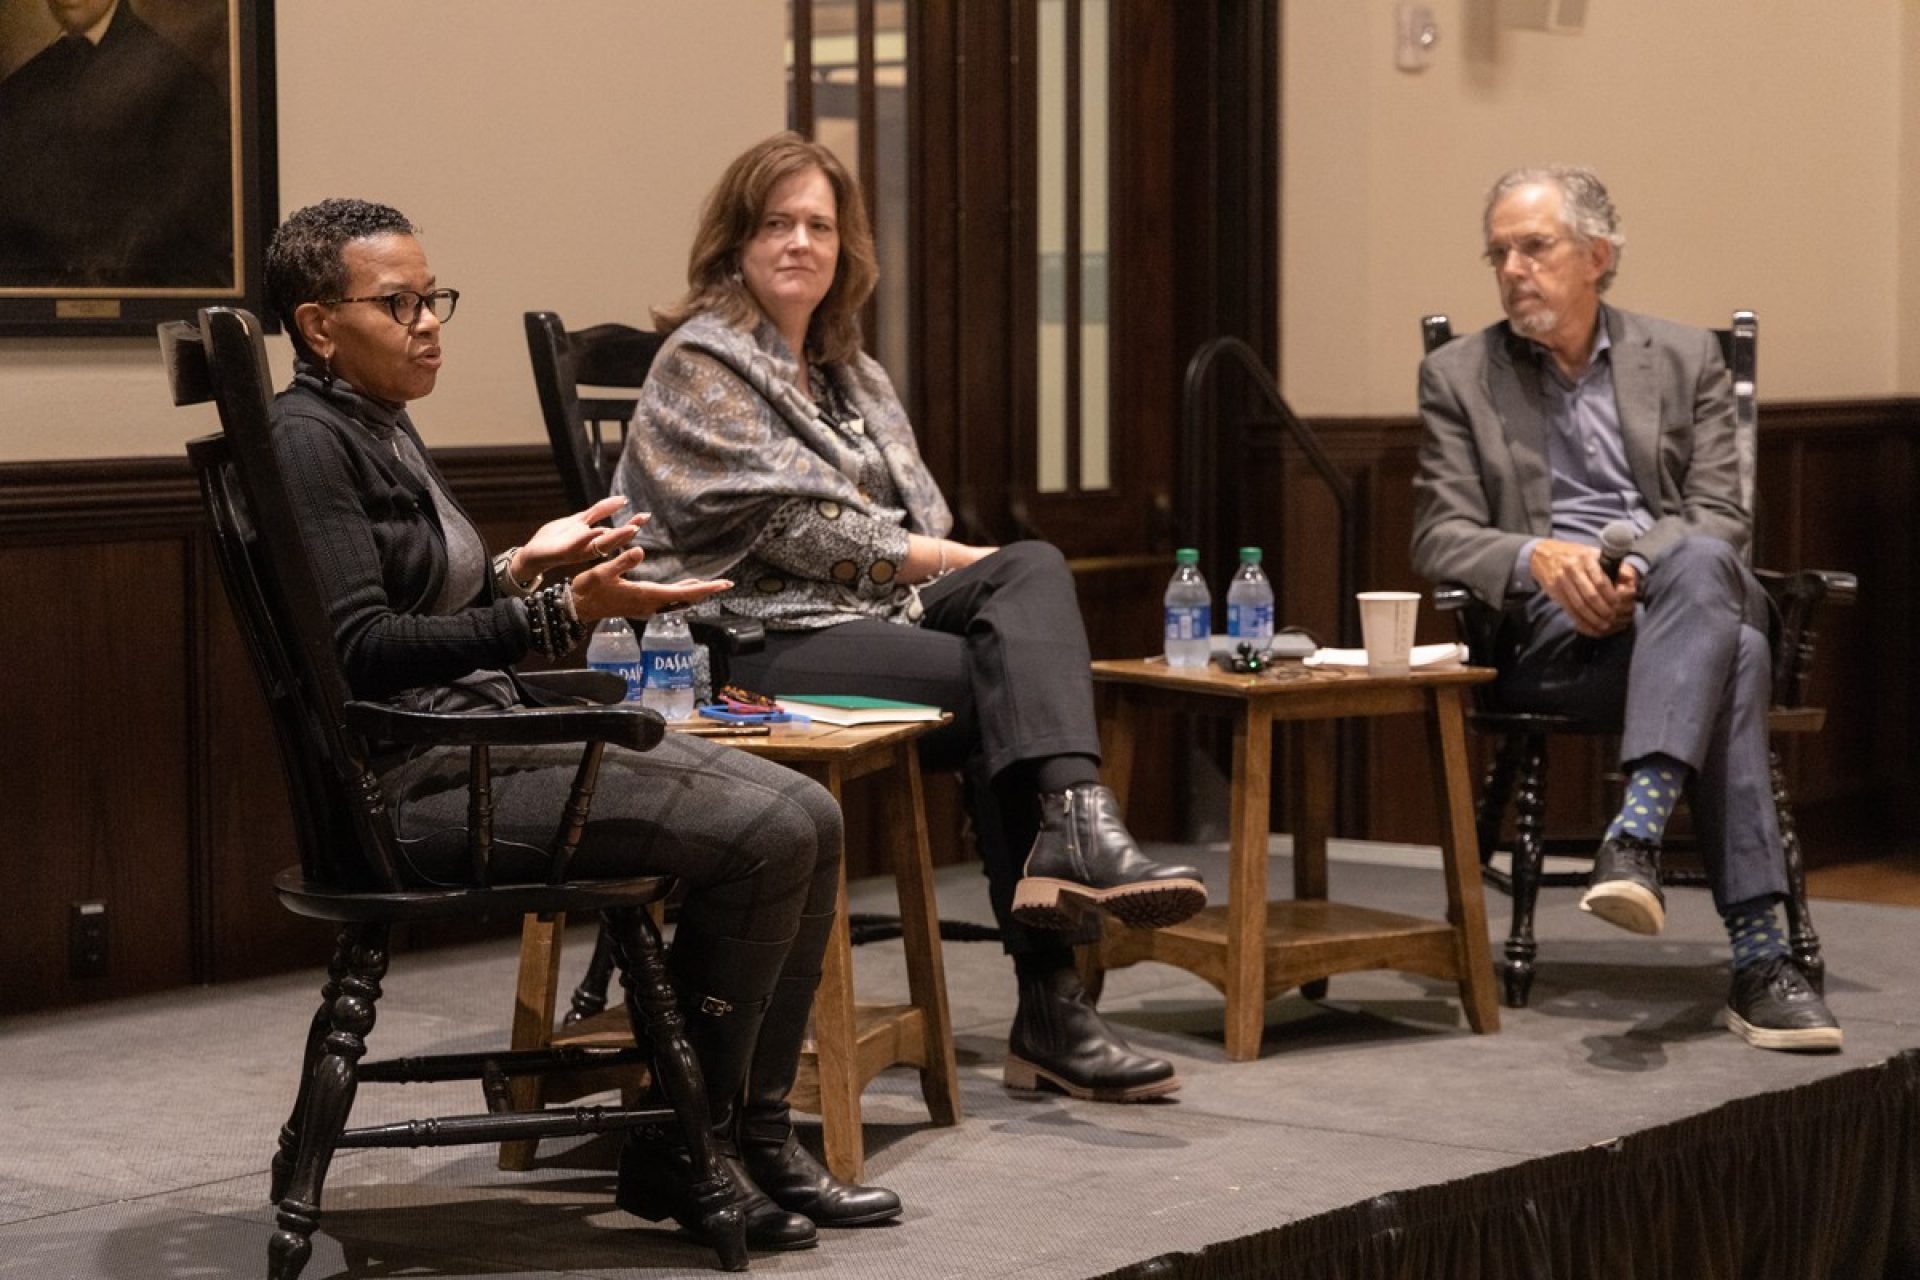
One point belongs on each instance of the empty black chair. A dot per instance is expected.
(581, 427)
(1518, 772)
(349, 851)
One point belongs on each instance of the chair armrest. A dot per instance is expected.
(729, 634)
(623, 725)
(1798, 596)
(580, 686)
(1814, 586)
(1480, 626)
(1451, 597)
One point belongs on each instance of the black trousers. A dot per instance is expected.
(1001, 645)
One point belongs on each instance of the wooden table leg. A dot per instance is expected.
(1460, 853)
(1315, 746)
(534, 1000)
(1246, 986)
(920, 934)
(1116, 743)
(1118, 721)
(836, 1053)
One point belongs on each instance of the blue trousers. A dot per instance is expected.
(1691, 679)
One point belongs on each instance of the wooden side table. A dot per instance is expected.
(851, 1043)
(1252, 949)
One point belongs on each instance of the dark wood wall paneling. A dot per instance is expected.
(139, 768)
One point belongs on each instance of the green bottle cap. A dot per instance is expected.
(1186, 555)
(1249, 555)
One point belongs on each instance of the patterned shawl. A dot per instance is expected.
(723, 436)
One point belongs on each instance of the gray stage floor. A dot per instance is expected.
(138, 1133)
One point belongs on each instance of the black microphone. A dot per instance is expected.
(1616, 540)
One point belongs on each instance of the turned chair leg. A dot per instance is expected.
(1496, 792)
(654, 1012)
(327, 1094)
(1800, 932)
(1529, 852)
(288, 1151)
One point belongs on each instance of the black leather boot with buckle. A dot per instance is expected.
(726, 986)
(775, 1160)
(1084, 857)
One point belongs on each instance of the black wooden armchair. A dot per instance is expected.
(1518, 772)
(350, 852)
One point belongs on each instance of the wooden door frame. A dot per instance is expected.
(1194, 168)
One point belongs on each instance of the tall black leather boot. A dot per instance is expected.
(1060, 1038)
(725, 985)
(775, 1160)
(1084, 857)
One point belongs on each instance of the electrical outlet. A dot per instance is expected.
(87, 940)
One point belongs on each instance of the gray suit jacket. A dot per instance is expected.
(1484, 486)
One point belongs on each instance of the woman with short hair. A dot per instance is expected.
(424, 617)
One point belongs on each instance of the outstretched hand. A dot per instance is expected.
(572, 539)
(604, 591)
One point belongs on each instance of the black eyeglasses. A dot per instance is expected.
(1533, 248)
(407, 304)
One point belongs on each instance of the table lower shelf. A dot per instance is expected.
(885, 1035)
(1303, 941)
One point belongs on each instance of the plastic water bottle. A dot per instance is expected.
(666, 648)
(1189, 613)
(615, 648)
(1250, 603)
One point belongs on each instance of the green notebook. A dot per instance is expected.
(851, 708)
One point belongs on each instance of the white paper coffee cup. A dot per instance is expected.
(1386, 628)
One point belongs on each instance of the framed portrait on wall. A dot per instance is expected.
(137, 171)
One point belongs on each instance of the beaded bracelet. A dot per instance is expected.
(556, 629)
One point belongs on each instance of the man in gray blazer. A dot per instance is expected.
(1569, 418)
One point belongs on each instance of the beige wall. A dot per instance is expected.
(549, 166)
(1908, 165)
(1799, 211)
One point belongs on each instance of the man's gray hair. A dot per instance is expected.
(1585, 208)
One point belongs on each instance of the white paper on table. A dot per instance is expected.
(1423, 655)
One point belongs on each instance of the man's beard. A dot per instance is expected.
(1533, 323)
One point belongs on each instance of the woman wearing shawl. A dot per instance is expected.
(769, 448)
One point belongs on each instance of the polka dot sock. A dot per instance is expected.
(1754, 930)
(1653, 787)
